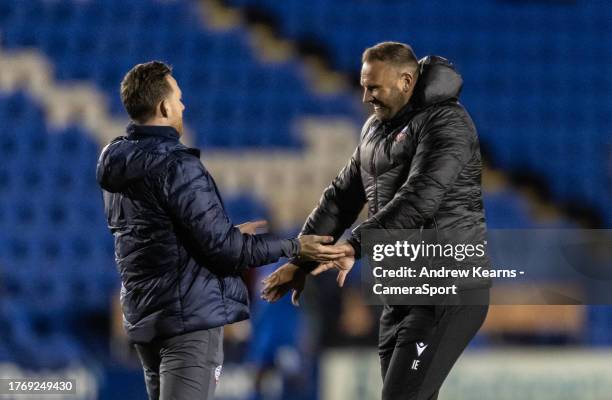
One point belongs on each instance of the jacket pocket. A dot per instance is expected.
(233, 288)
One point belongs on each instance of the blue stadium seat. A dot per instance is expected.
(507, 210)
(56, 255)
(209, 57)
(563, 60)
(243, 209)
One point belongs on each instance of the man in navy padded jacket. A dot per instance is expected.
(179, 256)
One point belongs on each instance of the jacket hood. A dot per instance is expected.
(120, 164)
(128, 159)
(438, 81)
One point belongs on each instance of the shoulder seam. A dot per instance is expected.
(366, 126)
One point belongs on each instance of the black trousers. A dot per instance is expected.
(184, 367)
(419, 345)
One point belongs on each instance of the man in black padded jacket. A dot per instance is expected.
(417, 164)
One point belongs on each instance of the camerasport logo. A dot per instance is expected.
(218, 373)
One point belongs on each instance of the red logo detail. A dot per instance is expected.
(401, 136)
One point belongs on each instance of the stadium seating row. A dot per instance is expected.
(56, 255)
(256, 106)
(534, 88)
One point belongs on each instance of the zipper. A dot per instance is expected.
(374, 174)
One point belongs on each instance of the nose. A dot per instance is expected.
(367, 96)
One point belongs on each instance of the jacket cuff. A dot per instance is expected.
(306, 266)
(355, 241)
(278, 248)
(275, 246)
(290, 247)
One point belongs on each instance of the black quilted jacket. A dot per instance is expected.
(420, 169)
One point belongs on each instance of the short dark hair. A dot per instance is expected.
(143, 87)
(392, 52)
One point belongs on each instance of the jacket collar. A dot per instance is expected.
(399, 118)
(438, 82)
(135, 131)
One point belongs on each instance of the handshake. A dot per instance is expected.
(292, 275)
(312, 247)
(319, 248)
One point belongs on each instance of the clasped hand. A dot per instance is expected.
(312, 248)
(291, 277)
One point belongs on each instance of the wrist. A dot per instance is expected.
(297, 247)
(302, 265)
(355, 246)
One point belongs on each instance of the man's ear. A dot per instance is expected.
(407, 79)
(162, 109)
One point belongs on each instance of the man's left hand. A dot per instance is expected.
(251, 227)
(285, 278)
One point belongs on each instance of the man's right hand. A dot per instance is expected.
(343, 264)
(319, 248)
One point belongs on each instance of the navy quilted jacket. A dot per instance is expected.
(179, 255)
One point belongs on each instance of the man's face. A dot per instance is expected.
(385, 87)
(174, 106)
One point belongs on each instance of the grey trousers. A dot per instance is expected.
(184, 367)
